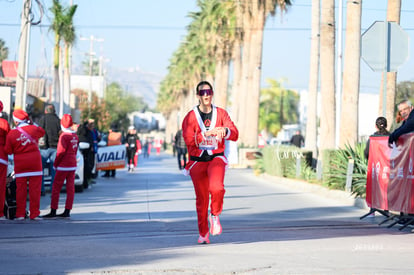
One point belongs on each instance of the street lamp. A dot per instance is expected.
(91, 54)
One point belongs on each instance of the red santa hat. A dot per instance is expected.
(1, 106)
(19, 115)
(66, 121)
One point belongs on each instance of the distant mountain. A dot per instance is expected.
(137, 82)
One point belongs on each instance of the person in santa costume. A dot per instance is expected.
(205, 128)
(65, 166)
(22, 142)
(4, 130)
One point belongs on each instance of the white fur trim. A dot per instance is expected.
(59, 168)
(17, 119)
(29, 174)
(66, 130)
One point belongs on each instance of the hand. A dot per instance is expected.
(392, 145)
(391, 142)
(219, 132)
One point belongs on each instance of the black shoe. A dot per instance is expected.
(51, 215)
(65, 214)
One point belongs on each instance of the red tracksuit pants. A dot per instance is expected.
(60, 178)
(3, 183)
(208, 179)
(35, 186)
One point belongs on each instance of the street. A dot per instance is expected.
(145, 223)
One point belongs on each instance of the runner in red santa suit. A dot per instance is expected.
(204, 130)
(65, 167)
(22, 142)
(4, 130)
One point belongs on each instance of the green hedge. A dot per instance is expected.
(280, 160)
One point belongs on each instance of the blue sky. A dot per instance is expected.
(144, 34)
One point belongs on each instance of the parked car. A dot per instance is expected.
(276, 141)
(78, 174)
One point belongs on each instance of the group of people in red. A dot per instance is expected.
(22, 143)
(204, 129)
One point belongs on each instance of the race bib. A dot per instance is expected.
(209, 143)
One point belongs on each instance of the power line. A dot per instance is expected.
(163, 28)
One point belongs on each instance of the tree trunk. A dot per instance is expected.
(246, 77)
(237, 67)
(221, 79)
(350, 94)
(235, 89)
(66, 83)
(256, 48)
(311, 123)
(327, 60)
(56, 74)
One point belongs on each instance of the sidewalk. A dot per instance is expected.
(306, 187)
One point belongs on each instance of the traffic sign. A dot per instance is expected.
(384, 46)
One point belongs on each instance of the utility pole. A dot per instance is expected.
(91, 54)
(21, 81)
(339, 76)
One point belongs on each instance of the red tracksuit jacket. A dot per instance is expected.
(66, 151)
(27, 159)
(4, 130)
(193, 133)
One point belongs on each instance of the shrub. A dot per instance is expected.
(335, 176)
(280, 160)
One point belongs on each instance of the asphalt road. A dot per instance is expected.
(145, 223)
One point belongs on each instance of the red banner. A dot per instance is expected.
(390, 174)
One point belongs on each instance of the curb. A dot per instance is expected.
(296, 184)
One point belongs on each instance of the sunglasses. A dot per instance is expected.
(205, 92)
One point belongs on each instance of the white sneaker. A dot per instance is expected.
(38, 218)
(19, 219)
(3, 218)
(215, 226)
(203, 240)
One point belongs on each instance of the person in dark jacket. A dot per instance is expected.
(297, 139)
(50, 122)
(132, 145)
(405, 109)
(86, 148)
(181, 149)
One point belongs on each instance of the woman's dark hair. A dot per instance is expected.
(381, 124)
(203, 83)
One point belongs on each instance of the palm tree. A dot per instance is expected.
(69, 37)
(327, 63)
(56, 27)
(349, 112)
(393, 15)
(278, 106)
(224, 36)
(4, 52)
(253, 18)
(311, 122)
